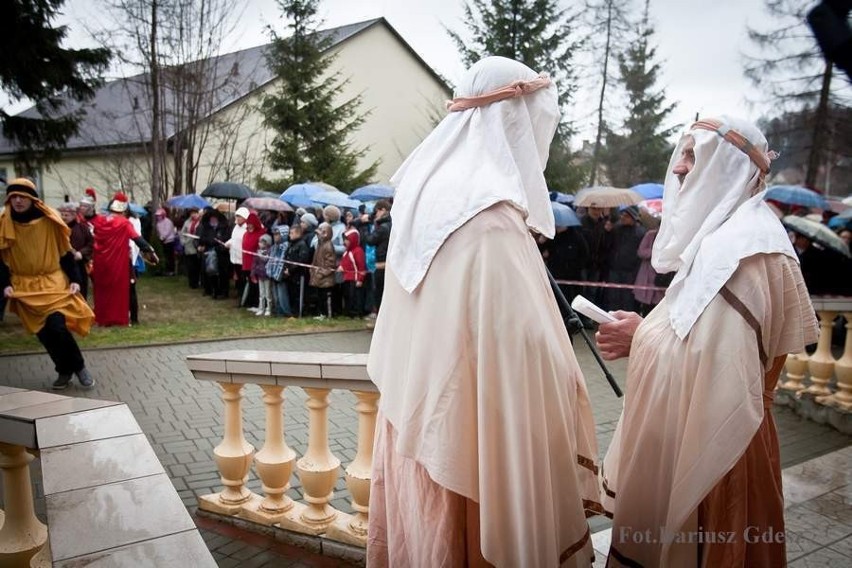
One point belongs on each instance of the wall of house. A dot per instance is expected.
(106, 171)
(403, 100)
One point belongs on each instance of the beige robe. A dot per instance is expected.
(485, 404)
(694, 457)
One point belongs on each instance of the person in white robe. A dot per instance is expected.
(485, 450)
(693, 477)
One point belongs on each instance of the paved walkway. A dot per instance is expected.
(182, 418)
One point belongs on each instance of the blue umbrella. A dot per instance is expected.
(843, 220)
(559, 197)
(796, 195)
(564, 216)
(336, 198)
(372, 192)
(649, 190)
(299, 194)
(189, 201)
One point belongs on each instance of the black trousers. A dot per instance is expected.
(169, 253)
(379, 283)
(193, 269)
(134, 299)
(60, 345)
(353, 299)
(84, 278)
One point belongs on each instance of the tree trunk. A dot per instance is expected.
(596, 153)
(156, 142)
(819, 132)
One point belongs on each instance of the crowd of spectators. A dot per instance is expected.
(317, 262)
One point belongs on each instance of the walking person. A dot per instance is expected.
(40, 280)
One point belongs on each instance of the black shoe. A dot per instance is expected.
(86, 380)
(61, 383)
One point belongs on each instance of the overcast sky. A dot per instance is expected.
(699, 42)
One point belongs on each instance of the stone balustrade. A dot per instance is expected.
(823, 399)
(106, 496)
(318, 470)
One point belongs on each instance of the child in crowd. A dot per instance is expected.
(353, 265)
(299, 252)
(322, 275)
(275, 270)
(258, 275)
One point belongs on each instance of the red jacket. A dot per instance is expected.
(251, 239)
(353, 262)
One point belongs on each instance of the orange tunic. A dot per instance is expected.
(32, 251)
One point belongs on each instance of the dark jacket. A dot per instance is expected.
(300, 252)
(208, 235)
(82, 240)
(600, 242)
(568, 253)
(625, 248)
(380, 238)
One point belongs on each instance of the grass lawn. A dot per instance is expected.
(169, 312)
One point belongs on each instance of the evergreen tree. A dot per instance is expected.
(538, 34)
(311, 133)
(641, 152)
(35, 66)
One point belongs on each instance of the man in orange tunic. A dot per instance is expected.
(39, 277)
(693, 468)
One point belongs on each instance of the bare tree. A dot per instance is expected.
(609, 24)
(174, 44)
(791, 74)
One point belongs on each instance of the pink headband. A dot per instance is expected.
(760, 159)
(514, 89)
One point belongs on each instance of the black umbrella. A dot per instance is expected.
(227, 190)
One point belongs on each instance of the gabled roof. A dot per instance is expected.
(118, 113)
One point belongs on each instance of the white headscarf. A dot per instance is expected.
(712, 221)
(473, 159)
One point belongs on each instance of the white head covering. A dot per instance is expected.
(473, 159)
(713, 220)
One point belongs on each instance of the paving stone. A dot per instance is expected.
(183, 417)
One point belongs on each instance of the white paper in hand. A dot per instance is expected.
(590, 310)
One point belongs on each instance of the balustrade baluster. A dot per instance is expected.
(354, 529)
(318, 468)
(22, 534)
(233, 458)
(274, 463)
(843, 369)
(796, 368)
(821, 363)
